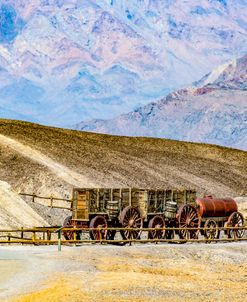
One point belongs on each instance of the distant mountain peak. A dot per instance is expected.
(214, 110)
(135, 52)
(234, 71)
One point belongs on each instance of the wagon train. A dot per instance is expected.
(164, 210)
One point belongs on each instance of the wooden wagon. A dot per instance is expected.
(133, 208)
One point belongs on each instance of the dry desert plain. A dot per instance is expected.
(162, 272)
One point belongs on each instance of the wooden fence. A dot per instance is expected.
(52, 199)
(53, 235)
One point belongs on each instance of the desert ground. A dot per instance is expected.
(162, 272)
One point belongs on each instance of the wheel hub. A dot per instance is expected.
(189, 222)
(131, 222)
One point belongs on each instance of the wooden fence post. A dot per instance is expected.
(59, 241)
(48, 235)
(74, 235)
(100, 235)
(34, 237)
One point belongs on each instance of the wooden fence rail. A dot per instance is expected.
(50, 198)
(53, 235)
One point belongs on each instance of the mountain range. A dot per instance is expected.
(214, 110)
(63, 62)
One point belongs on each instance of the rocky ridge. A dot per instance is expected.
(62, 62)
(213, 111)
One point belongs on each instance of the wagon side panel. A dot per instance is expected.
(80, 205)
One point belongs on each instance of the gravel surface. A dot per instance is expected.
(147, 272)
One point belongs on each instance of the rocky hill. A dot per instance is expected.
(62, 62)
(46, 160)
(214, 111)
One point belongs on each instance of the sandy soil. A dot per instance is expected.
(191, 272)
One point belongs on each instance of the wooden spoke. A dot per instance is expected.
(68, 235)
(236, 219)
(131, 218)
(210, 230)
(156, 222)
(70, 223)
(98, 222)
(188, 218)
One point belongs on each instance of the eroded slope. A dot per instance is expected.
(118, 161)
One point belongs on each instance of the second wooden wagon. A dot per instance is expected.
(133, 208)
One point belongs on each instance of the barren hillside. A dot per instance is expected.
(14, 212)
(41, 159)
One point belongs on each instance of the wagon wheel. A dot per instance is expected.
(68, 235)
(210, 231)
(188, 218)
(68, 222)
(236, 219)
(98, 222)
(156, 222)
(130, 218)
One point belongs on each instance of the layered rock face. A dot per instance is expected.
(62, 62)
(214, 110)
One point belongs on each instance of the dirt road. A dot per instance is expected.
(191, 272)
